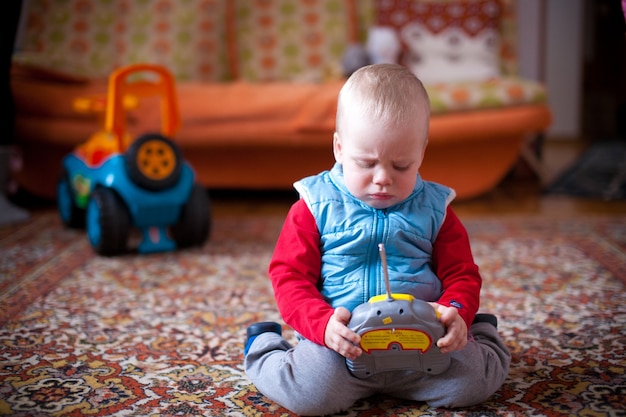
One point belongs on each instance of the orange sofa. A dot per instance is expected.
(243, 129)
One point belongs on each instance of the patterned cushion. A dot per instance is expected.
(93, 37)
(472, 95)
(445, 41)
(289, 40)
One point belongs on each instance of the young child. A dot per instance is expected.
(326, 262)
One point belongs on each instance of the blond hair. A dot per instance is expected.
(386, 93)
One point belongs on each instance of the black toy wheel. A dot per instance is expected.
(108, 222)
(71, 215)
(153, 162)
(194, 225)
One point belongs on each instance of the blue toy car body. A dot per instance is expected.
(113, 183)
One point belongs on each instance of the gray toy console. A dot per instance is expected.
(398, 332)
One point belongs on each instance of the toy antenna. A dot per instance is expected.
(383, 259)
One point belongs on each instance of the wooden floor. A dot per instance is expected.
(519, 193)
(524, 193)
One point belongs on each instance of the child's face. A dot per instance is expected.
(380, 163)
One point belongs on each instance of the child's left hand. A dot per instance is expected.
(456, 329)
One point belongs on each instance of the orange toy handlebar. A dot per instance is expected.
(157, 81)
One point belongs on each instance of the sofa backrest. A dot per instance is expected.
(209, 40)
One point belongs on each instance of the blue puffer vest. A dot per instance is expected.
(350, 233)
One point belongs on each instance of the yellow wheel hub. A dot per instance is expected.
(156, 159)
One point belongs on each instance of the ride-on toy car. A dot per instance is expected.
(114, 182)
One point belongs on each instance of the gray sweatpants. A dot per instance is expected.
(310, 379)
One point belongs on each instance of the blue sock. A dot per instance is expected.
(246, 348)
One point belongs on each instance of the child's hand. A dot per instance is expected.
(339, 337)
(456, 329)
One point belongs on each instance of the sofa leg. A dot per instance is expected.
(532, 155)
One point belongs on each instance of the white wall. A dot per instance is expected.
(530, 34)
(550, 50)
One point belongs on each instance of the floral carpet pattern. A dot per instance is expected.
(162, 335)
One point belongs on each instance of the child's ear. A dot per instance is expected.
(337, 148)
(424, 149)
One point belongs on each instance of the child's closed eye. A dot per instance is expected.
(401, 168)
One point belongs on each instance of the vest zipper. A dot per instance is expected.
(376, 280)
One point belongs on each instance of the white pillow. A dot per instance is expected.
(450, 55)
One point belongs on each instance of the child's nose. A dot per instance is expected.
(382, 176)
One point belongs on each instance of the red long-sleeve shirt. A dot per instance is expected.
(296, 264)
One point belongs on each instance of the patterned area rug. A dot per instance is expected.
(83, 335)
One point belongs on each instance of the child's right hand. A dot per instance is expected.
(339, 337)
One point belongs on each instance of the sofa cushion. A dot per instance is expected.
(477, 95)
(289, 40)
(93, 37)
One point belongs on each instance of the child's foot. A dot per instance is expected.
(486, 318)
(259, 328)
